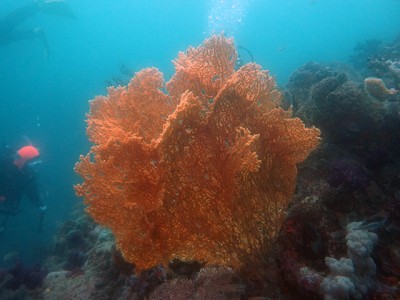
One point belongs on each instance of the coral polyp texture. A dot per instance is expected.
(200, 168)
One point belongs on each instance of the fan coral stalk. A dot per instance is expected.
(202, 172)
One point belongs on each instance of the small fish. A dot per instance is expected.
(10, 257)
(281, 48)
(372, 223)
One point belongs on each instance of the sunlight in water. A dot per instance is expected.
(226, 16)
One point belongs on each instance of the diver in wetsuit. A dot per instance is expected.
(9, 33)
(17, 178)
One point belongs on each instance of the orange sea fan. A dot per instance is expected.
(139, 109)
(204, 69)
(202, 172)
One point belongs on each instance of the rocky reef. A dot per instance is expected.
(345, 210)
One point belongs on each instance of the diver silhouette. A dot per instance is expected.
(17, 179)
(9, 33)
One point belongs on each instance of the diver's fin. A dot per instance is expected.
(41, 36)
(56, 7)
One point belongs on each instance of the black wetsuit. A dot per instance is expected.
(14, 183)
(8, 31)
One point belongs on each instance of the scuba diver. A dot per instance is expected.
(17, 179)
(9, 33)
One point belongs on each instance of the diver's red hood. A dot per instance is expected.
(25, 154)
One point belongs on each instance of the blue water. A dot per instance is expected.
(46, 98)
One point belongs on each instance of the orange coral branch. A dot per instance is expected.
(203, 172)
(139, 109)
(204, 69)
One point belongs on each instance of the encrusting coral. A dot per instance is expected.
(203, 171)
